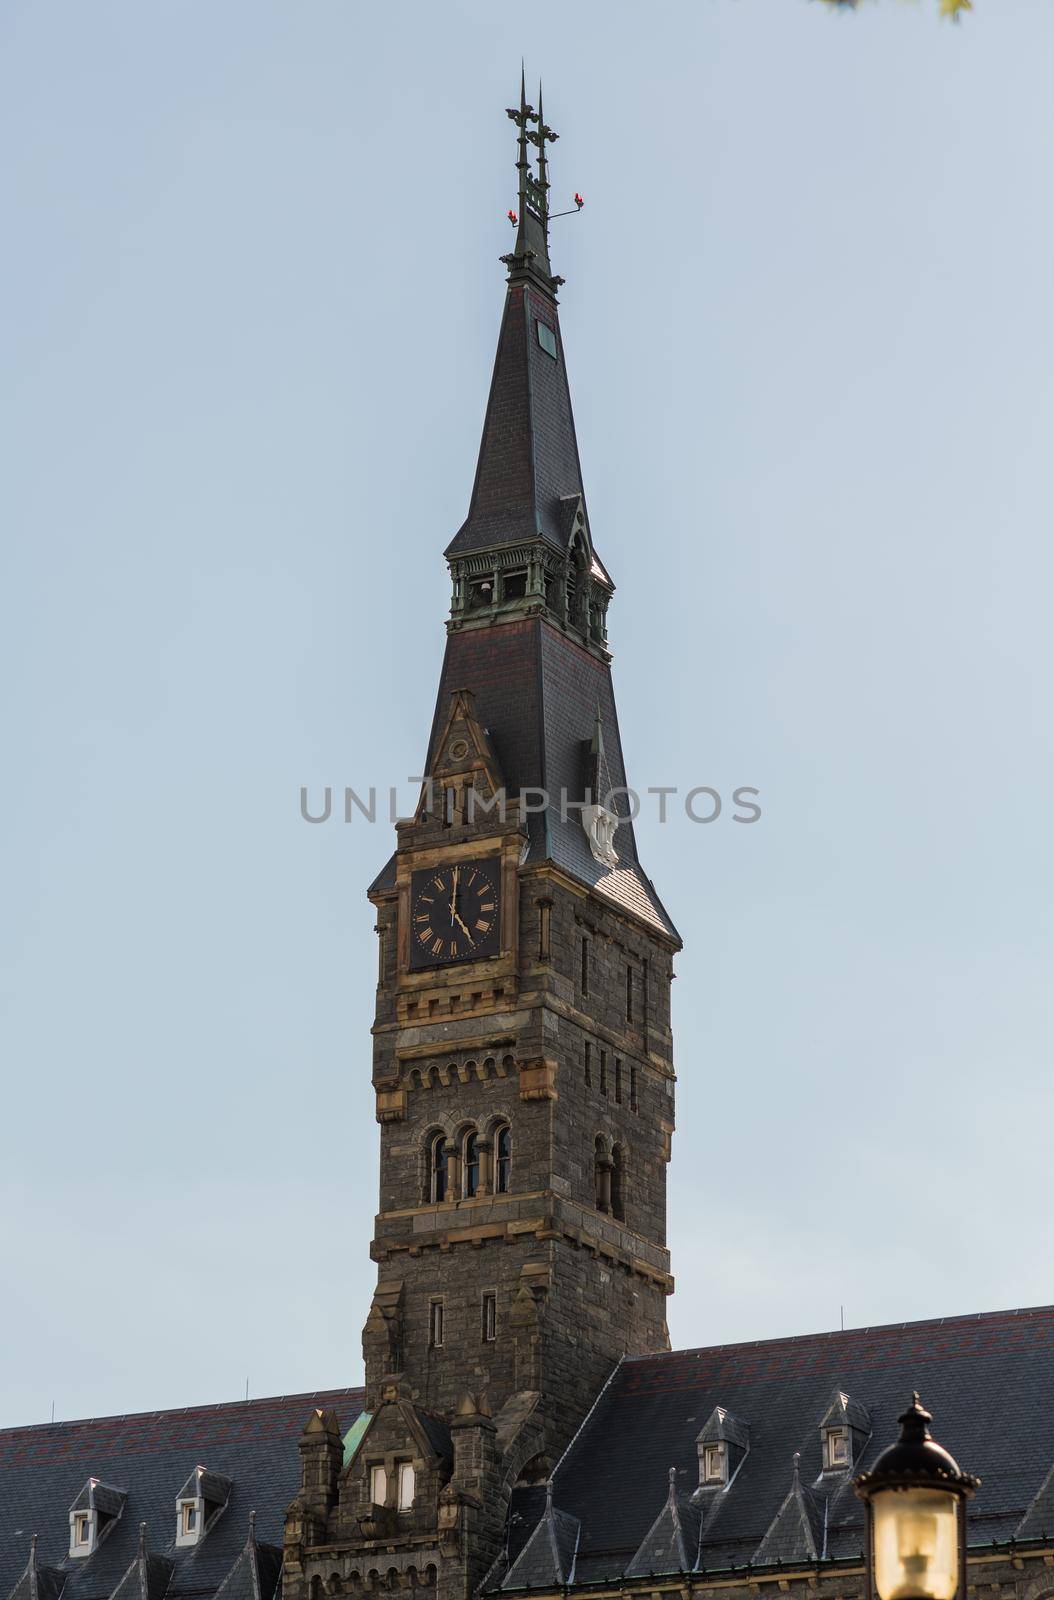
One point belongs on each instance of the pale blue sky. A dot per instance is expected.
(252, 292)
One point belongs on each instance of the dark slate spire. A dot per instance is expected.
(528, 484)
(798, 1532)
(547, 1560)
(37, 1582)
(672, 1542)
(148, 1577)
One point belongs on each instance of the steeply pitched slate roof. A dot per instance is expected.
(538, 692)
(254, 1443)
(988, 1379)
(528, 455)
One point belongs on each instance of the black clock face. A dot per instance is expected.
(454, 914)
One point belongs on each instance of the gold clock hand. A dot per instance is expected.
(453, 895)
(464, 930)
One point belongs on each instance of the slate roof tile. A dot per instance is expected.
(150, 1455)
(988, 1379)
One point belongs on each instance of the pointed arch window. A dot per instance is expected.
(470, 1164)
(502, 1159)
(437, 1169)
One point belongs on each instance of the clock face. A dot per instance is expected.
(455, 913)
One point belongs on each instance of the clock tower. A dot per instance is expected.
(522, 1062)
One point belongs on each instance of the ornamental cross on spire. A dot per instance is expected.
(531, 220)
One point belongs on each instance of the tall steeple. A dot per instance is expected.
(528, 483)
(522, 1056)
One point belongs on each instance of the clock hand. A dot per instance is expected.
(453, 895)
(464, 930)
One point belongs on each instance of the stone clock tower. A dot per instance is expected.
(522, 1057)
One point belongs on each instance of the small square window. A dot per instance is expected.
(547, 338)
(190, 1517)
(836, 1448)
(82, 1528)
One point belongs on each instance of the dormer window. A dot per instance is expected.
(94, 1512)
(722, 1446)
(378, 1485)
(200, 1501)
(845, 1428)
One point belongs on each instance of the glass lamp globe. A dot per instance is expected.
(916, 1497)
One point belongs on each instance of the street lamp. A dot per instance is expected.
(916, 1516)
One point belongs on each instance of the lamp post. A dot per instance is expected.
(916, 1498)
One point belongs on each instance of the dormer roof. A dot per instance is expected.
(101, 1497)
(212, 1487)
(722, 1425)
(842, 1411)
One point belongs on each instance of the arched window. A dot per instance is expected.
(502, 1159)
(437, 1168)
(618, 1179)
(470, 1164)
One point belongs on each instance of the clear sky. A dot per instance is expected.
(251, 294)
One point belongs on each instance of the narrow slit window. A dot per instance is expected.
(435, 1324)
(629, 994)
(589, 1065)
(585, 966)
(406, 1485)
(603, 1072)
(632, 1086)
(545, 911)
(378, 1485)
(618, 1081)
(489, 1330)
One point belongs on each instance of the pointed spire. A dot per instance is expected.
(142, 1541)
(250, 1542)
